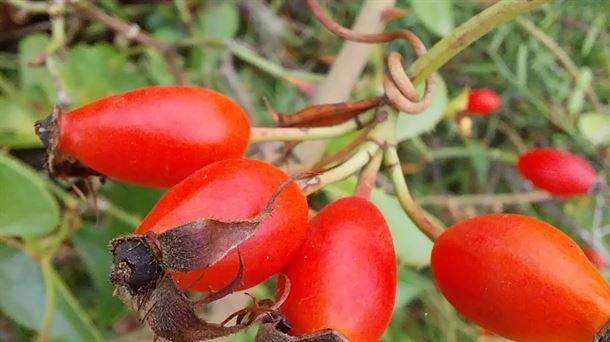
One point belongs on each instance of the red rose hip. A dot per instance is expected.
(483, 102)
(236, 189)
(344, 275)
(154, 136)
(521, 278)
(559, 172)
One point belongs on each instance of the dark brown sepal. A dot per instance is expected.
(58, 163)
(603, 335)
(202, 243)
(325, 114)
(274, 329)
(136, 263)
(171, 315)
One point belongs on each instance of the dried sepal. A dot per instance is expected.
(603, 335)
(171, 315)
(275, 328)
(58, 163)
(202, 243)
(325, 114)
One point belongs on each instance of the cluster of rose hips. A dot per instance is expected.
(229, 223)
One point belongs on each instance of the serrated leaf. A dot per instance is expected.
(413, 248)
(23, 299)
(409, 126)
(436, 15)
(26, 207)
(595, 127)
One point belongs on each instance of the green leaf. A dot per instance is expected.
(17, 126)
(92, 244)
(219, 21)
(35, 81)
(137, 200)
(96, 71)
(157, 67)
(23, 299)
(413, 248)
(436, 15)
(595, 127)
(26, 207)
(409, 126)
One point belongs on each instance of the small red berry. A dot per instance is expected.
(482, 102)
(559, 172)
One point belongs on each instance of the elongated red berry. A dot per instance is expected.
(559, 172)
(344, 275)
(483, 102)
(235, 189)
(522, 279)
(154, 136)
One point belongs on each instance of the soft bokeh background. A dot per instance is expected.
(53, 250)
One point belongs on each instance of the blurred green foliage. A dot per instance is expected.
(54, 249)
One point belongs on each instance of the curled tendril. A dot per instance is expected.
(397, 85)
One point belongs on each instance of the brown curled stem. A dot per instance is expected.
(399, 89)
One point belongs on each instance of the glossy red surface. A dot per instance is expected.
(483, 102)
(559, 172)
(521, 278)
(236, 189)
(344, 276)
(155, 136)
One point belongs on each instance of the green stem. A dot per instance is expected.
(366, 180)
(467, 33)
(344, 170)
(246, 55)
(71, 201)
(262, 134)
(411, 208)
(458, 152)
(30, 6)
(47, 318)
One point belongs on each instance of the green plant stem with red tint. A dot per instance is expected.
(366, 180)
(415, 213)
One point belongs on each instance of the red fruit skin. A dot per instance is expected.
(344, 275)
(521, 278)
(559, 172)
(482, 102)
(236, 189)
(155, 136)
